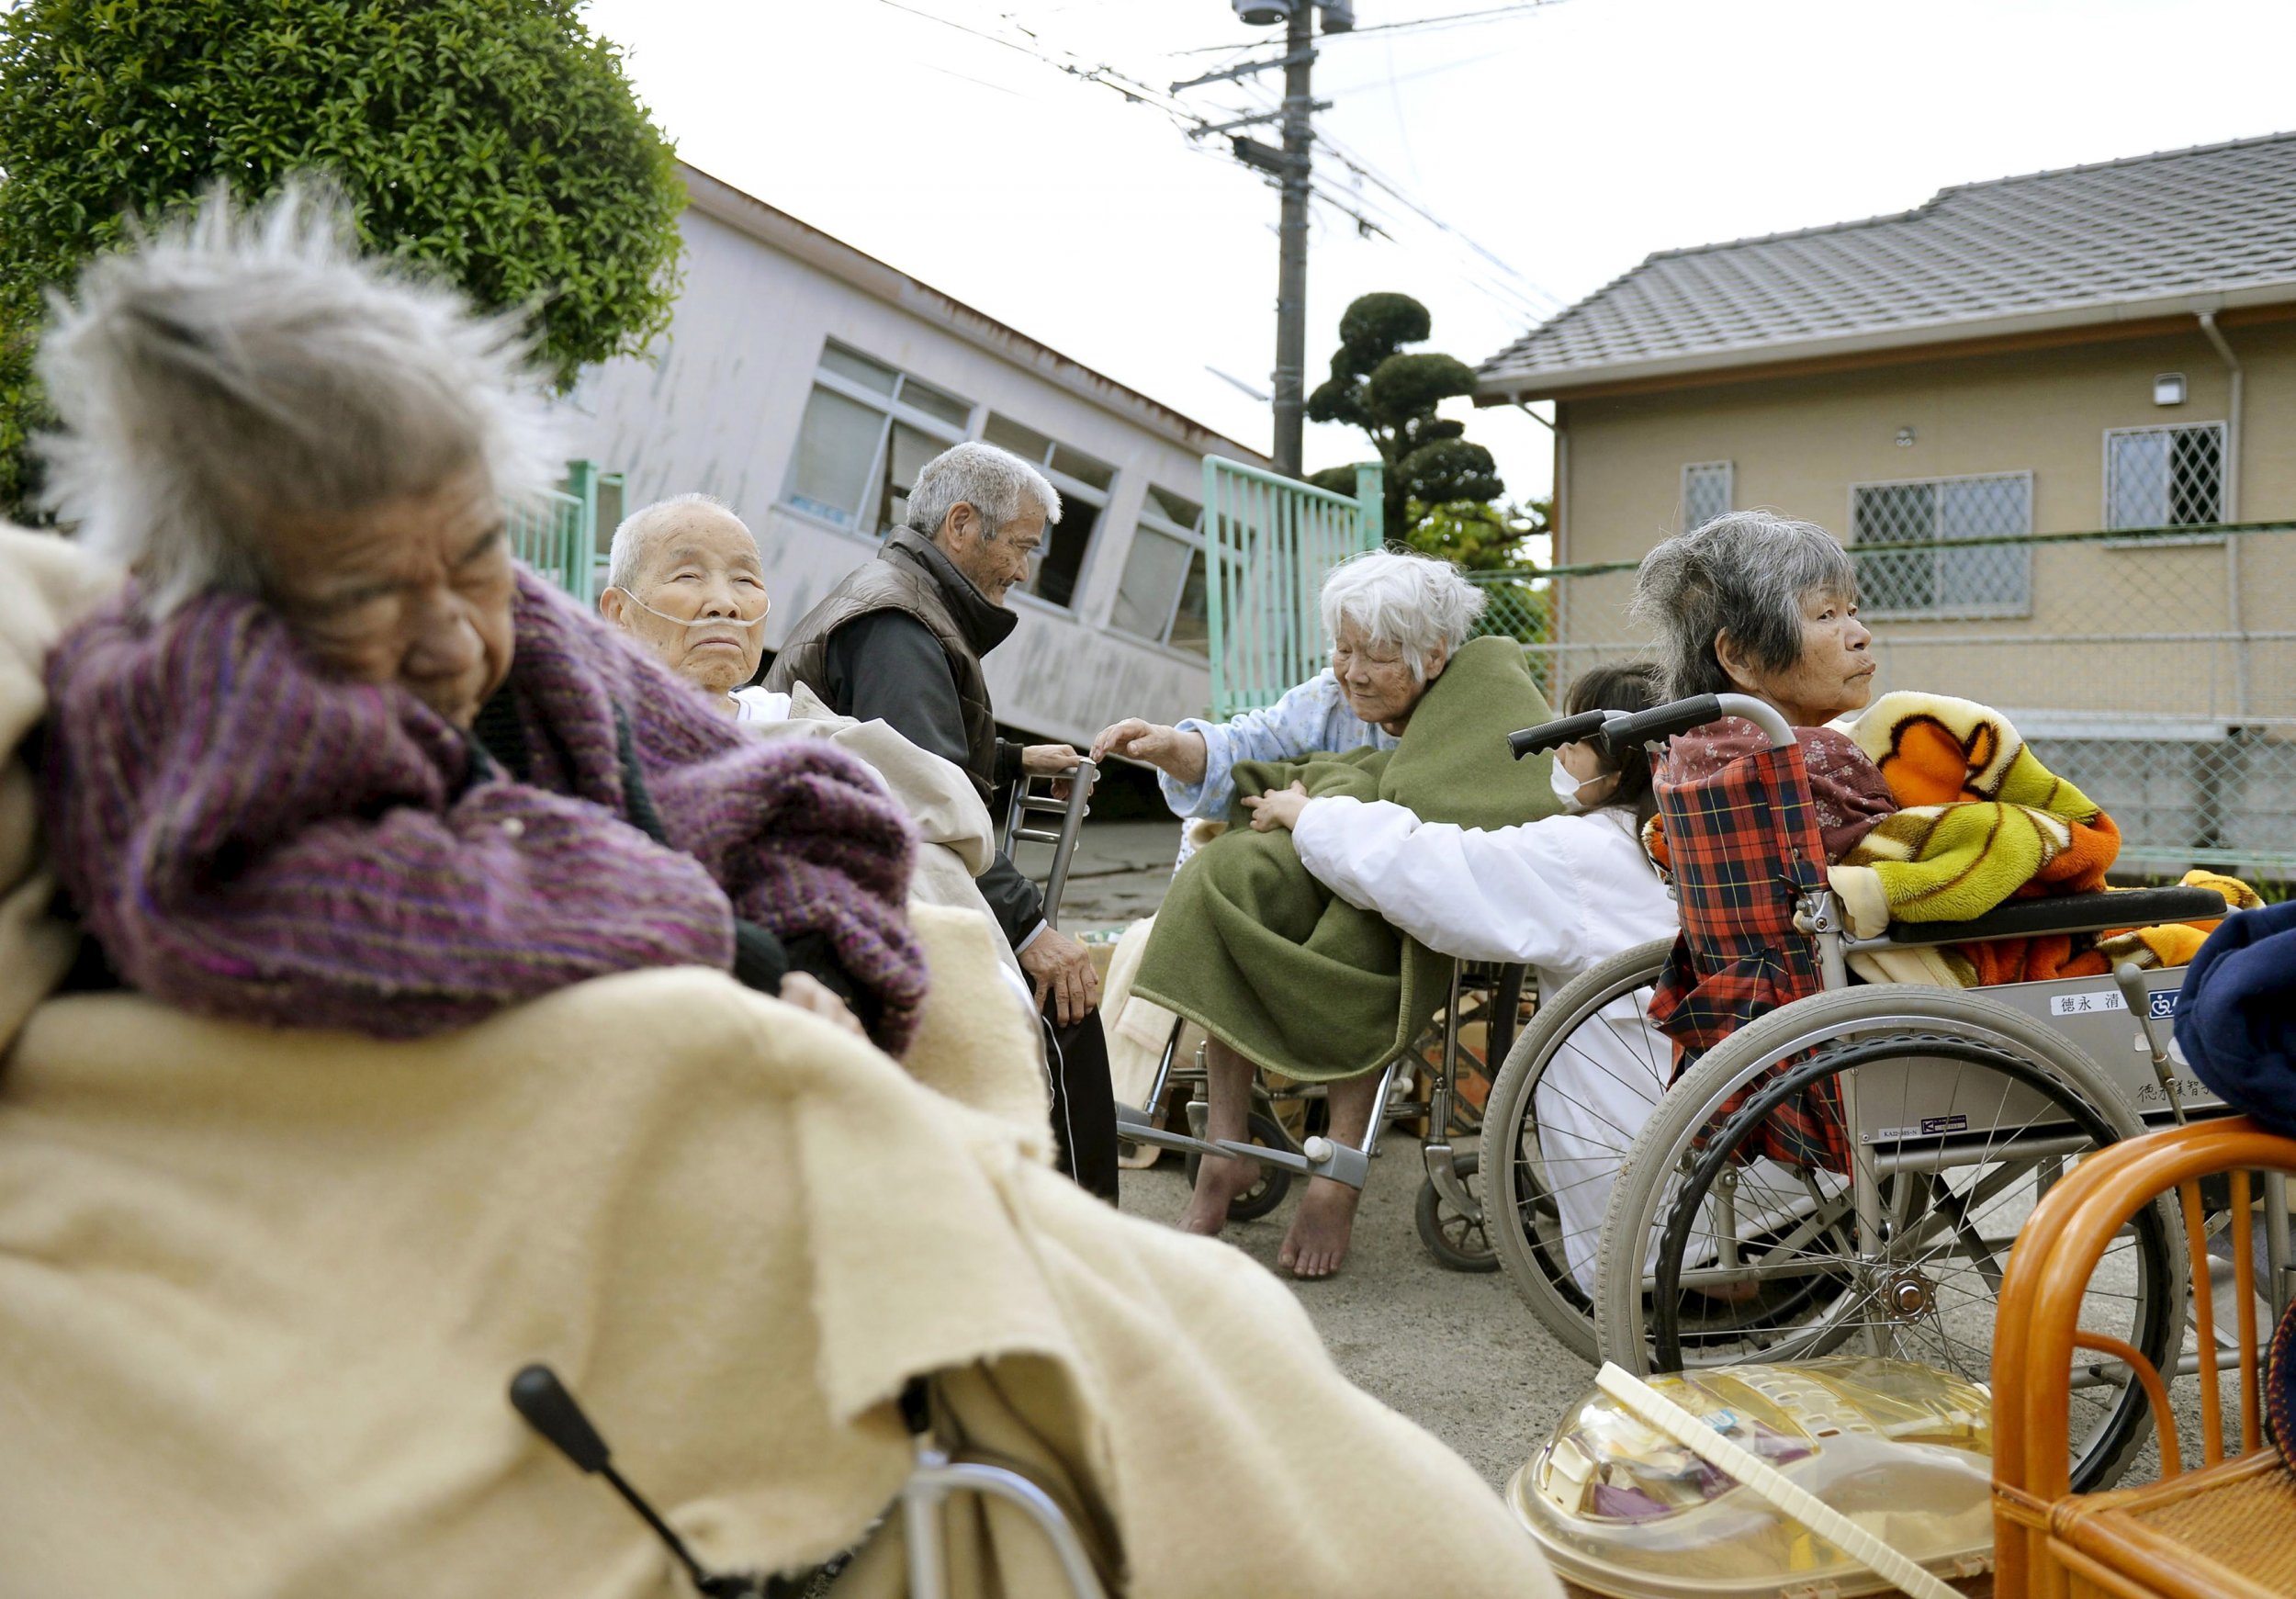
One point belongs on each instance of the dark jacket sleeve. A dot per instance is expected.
(1009, 757)
(1017, 903)
(888, 666)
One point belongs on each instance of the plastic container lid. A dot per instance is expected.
(1904, 1450)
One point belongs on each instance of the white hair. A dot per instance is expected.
(1414, 603)
(998, 484)
(236, 365)
(636, 532)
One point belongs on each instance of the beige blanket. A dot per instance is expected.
(261, 1293)
(46, 585)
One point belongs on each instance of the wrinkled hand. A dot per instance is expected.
(809, 994)
(1277, 808)
(1165, 749)
(1049, 760)
(1058, 966)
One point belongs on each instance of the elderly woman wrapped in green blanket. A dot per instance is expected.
(1279, 969)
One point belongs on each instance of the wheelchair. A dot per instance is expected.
(1841, 1169)
(1449, 1214)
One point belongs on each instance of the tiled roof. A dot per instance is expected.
(2054, 247)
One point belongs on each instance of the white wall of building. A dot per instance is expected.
(719, 405)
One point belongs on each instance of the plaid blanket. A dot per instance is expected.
(1744, 847)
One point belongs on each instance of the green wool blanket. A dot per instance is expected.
(1282, 970)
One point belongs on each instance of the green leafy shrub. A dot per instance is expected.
(496, 141)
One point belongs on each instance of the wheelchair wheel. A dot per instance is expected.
(1458, 1241)
(1576, 1085)
(1732, 1239)
(1273, 1182)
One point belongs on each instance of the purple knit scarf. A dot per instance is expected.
(249, 838)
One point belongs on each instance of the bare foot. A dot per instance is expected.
(1318, 1240)
(1219, 1179)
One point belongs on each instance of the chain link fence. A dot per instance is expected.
(2154, 668)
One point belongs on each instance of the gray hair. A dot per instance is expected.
(237, 364)
(998, 484)
(635, 535)
(1743, 573)
(1414, 603)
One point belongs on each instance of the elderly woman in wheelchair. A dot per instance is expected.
(1247, 944)
(1834, 1168)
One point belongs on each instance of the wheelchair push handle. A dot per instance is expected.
(1662, 722)
(1549, 735)
(1614, 731)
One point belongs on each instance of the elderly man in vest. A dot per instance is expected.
(901, 640)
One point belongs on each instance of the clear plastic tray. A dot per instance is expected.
(1904, 1450)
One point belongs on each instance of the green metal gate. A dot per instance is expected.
(561, 535)
(1269, 541)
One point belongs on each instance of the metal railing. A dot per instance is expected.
(551, 535)
(2154, 668)
(558, 533)
(1269, 541)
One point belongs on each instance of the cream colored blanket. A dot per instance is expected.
(261, 1294)
(953, 826)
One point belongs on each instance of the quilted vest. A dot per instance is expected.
(911, 576)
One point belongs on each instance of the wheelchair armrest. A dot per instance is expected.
(2071, 913)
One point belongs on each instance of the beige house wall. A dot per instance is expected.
(1797, 445)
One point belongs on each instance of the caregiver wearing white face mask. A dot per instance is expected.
(1560, 896)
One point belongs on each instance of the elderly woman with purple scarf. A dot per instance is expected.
(333, 758)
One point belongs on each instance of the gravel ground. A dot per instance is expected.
(1457, 1353)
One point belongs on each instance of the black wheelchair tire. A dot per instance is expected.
(2105, 1452)
(1437, 1220)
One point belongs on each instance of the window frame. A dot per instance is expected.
(1729, 489)
(2007, 610)
(1152, 517)
(1071, 489)
(2222, 429)
(890, 410)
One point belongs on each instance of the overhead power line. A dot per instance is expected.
(1443, 24)
(1376, 207)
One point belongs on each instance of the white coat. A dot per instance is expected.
(1558, 895)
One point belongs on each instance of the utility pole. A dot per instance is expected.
(1291, 281)
(1290, 166)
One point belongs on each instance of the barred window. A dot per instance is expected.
(2164, 477)
(1705, 493)
(1974, 580)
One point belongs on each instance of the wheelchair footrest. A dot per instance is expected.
(1321, 1158)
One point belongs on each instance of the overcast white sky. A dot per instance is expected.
(1569, 143)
